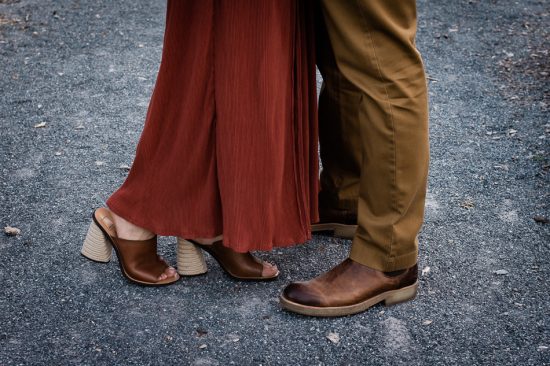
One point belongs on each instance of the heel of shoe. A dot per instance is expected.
(345, 231)
(401, 295)
(190, 259)
(96, 246)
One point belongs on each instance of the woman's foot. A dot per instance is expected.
(128, 231)
(270, 270)
(242, 266)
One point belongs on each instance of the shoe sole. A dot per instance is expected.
(389, 297)
(337, 230)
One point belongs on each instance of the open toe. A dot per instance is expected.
(269, 270)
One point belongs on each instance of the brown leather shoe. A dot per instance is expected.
(339, 223)
(241, 266)
(138, 259)
(349, 288)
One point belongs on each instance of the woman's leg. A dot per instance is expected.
(177, 140)
(246, 102)
(172, 188)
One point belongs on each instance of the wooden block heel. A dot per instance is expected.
(190, 259)
(96, 246)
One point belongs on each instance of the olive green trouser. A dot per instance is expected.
(373, 124)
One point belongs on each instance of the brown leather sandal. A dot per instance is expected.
(138, 259)
(241, 266)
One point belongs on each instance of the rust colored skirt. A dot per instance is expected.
(230, 139)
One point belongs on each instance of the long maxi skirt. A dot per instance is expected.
(230, 139)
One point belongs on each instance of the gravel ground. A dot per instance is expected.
(86, 70)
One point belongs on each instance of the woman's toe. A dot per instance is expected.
(269, 270)
(169, 273)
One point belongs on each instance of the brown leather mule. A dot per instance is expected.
(241, 266)
(138, 259)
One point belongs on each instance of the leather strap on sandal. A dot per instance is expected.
(138, 258)
(240, 265)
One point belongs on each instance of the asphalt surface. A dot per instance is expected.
(87, 70)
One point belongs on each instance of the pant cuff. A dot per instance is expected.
(371, 256)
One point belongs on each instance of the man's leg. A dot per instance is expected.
(374, 48)
(340, 142)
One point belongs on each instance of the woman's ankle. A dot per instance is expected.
(127, 230)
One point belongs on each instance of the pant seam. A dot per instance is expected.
(368, 33)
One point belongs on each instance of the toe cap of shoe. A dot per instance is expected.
(302, 294)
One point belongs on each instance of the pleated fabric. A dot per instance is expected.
(229, 145)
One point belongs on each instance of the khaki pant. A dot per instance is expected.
(373, 121)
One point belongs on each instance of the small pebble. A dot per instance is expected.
(501, 272)
(12, 231)
(333, 337)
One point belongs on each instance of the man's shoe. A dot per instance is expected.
(341, 224)
(349, 288)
